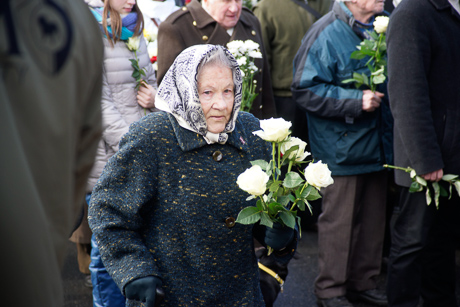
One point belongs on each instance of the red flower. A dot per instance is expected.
(153, 59)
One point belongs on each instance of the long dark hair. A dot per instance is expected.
(115, 22)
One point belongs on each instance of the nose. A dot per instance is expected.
(219, 102)
(233, 7)
(132, 2)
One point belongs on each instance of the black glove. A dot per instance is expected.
(279, 236)
(145, 289)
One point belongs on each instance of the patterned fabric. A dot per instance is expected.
(178, 92)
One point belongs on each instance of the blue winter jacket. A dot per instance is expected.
(350, 140)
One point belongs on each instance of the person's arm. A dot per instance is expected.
(409, 61)
(314, 84)
(127, 184)
(113, 124)
(170, 44)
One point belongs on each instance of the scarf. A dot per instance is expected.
(128, 24)
(178, 92)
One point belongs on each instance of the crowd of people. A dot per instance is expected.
(159, 148)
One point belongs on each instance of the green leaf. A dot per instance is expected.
(288, 153)
(379, 79)
(133, 62)
(428, 197)
(314, 194)
(457, 186)
(288, 218)
(265, 220)
(262, 163)
(135, 74)
(436, 194)
(449, 177)
(301, 205)
(275, 186)
(273, 208)
(357, 55)
(415, 187)
(292, 180)
(299, 224)
(291, 198)
(284, 200)
(421, 181)
(442, 191)
(259, 205)
(249, 215)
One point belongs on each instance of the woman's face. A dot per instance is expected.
(123, 7)
(215, 89)
(225, 12)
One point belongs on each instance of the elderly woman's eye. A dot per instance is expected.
(228, 91)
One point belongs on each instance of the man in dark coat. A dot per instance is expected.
(423, 65)
(210, 24)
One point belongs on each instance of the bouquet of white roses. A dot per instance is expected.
(245, 53)
(375, 48)
(419, 184)
(280, 195)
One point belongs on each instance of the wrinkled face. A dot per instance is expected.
(370, 6)
(123, 7)
(215, 90)
(225, 12)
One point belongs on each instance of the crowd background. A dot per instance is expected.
(172, 19)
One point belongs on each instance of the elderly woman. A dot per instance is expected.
(216, 22)
(164, 209)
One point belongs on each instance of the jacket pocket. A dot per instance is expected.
(358, 144)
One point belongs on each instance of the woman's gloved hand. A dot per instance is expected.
(279, 236)
(144, 289)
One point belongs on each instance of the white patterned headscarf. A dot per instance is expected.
(178, 92)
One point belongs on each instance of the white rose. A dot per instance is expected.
(253, 180)
(381, 24)
(318, 175)
(298, 155)
(133, 43)
(274, 129)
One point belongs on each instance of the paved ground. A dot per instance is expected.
(298, 291)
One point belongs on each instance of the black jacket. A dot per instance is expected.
(424, 86)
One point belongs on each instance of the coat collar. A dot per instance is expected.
(189, 140)
(444, 5)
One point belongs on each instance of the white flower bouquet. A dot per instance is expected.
(245, 53)
(375, 48)
(280, 195)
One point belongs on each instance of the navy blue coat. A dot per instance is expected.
(160, 207)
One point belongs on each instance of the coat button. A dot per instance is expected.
(230, 222)
(205, 38)
(184, 8)
(217, 156)
(194, 23)
(253, 33)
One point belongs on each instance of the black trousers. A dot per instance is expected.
(422, 253)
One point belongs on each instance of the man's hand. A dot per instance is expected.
(371, 100)
(433, 176)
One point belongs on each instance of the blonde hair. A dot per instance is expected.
(115, 22)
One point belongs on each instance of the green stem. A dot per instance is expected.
(290, 165)
(274, 161)
(407, 170)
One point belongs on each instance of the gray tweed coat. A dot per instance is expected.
(160, 208)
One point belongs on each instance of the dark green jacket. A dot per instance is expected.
(283, 25)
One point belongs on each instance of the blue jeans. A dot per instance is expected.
(105, 291)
